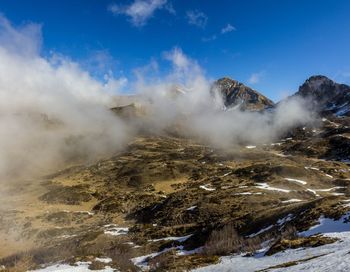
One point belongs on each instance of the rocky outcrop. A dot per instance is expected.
(236, 95)
(326, 96)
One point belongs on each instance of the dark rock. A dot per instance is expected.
(71, 195)
(326, 96)
(236, 94)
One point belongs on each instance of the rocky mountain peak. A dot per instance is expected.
(236, 94)
(320, 87)
(327, 95)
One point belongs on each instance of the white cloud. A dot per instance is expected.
(178, 58)
(52, 111)
(140, 11)
(99, 63)
(227, 28)
(170, 8)
(283, 94)
(184, 68)
(209, 39)
(15, 39)
(197, 18)
(149, 70)
(255, 77)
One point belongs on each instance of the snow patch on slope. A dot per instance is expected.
(78, 267)
(296, 180)
(330, 257)
(265, 186)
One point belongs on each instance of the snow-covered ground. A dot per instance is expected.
(142, 261)
(312, 168)
(292, 200)
(265, 186)
(332, 257)
(328, 225)
(248, 193)
(191, 208)
(313, 192)
(104, 260)
(296, 180)
(114, 230)
(329, 189)
(179, 239)
(204, 187)
(78, 267)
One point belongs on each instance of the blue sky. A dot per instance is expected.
(271, 45)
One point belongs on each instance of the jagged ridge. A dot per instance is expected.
(326, 95)
(236, 94)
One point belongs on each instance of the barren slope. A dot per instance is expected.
(166, 194)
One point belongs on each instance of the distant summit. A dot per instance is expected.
(236, 95)
(326, 95)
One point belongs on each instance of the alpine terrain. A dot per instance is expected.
(174, 200)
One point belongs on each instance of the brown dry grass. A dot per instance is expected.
(226, 240)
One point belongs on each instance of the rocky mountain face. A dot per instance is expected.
(326, 95)
(236, 94)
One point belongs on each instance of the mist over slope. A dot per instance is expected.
(51, 111)
(198, 106)
(54, 112)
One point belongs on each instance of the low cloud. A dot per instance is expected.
(52, 112)
(101, 64)
(24, 41)
(140, 11)
(184, 102)
(228, 28)
(197, 18)
(255, 78)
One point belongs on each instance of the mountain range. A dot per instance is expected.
(325, 95)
